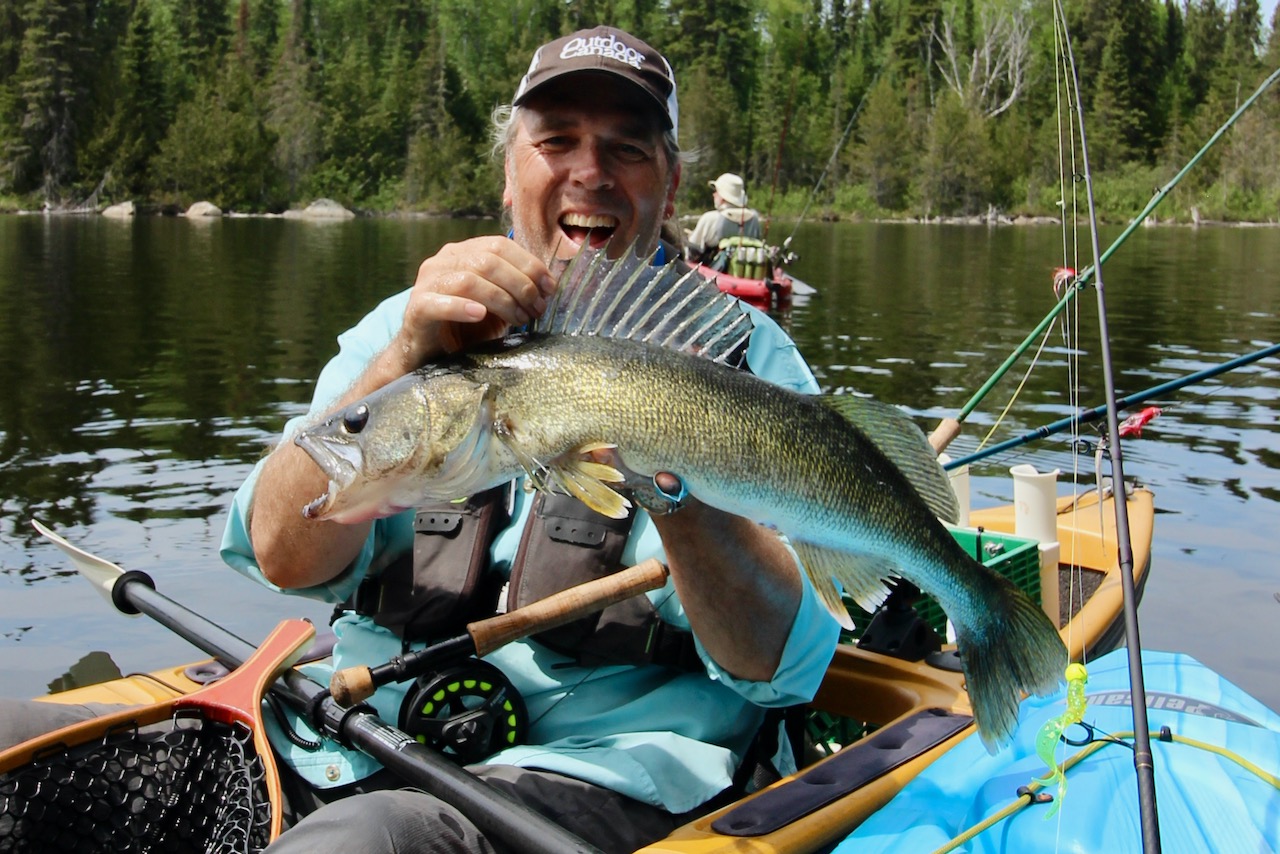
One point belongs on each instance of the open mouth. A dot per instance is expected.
(594, 230)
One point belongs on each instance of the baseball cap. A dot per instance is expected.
(612, 51)
(731, 189)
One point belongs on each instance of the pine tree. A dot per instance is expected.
(138, 121)
(884, 150)
(48, 89)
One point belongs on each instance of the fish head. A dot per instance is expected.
(416, 440)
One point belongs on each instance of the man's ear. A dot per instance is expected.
(670, 209)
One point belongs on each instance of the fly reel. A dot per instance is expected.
(468, 711)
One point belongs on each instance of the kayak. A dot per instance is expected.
(880, 720)
(886, 710)
(1216, 751)
(762, 293)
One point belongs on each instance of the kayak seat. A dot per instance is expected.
(849, 770)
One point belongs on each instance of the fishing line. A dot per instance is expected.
(848, 128)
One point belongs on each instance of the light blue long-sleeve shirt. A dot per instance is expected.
(666, 737)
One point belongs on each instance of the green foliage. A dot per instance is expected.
(219, 147)
(824, 106)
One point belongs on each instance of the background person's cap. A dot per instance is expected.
(609, 50)
(731, 189)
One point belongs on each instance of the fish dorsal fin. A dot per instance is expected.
(632, 299)
(904, 443)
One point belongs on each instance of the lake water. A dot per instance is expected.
(146, 364)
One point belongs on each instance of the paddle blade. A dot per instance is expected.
(100, 572)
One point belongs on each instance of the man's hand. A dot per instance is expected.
(470, 292)
(466, 293)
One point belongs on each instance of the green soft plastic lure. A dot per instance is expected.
(1051, 732)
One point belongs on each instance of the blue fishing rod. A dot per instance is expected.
(1143, 759)
(1089, 415)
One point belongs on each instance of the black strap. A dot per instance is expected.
(847, 771)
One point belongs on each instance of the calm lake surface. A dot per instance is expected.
(147, 364)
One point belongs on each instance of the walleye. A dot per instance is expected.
(633, 357)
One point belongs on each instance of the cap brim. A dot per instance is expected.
(648, 97)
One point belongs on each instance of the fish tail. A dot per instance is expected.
(1012, 649)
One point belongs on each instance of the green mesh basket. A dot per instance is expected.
(1016, 558)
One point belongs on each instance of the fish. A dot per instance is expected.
(641, 359)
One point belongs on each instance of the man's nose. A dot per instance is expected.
(591, 167)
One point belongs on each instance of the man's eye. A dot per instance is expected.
(632, 153)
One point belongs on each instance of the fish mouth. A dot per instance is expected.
(340, 461)
(594, 230)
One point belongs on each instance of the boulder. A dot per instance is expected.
(321, 209)
(202, 209)
(124, 210)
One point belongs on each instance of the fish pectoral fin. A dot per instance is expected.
(862, 577)
(589, 482)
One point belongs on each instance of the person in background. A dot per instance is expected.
(730, 218)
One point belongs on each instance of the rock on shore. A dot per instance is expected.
(321, 209)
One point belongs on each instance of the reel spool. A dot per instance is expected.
(468, 711)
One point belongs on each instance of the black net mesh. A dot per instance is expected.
(196, 785)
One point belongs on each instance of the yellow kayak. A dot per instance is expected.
(878, 719)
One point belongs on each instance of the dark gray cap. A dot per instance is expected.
(612, 51)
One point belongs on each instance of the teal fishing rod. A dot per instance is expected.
(1143, 760)
(946, 431)
(1089, 415)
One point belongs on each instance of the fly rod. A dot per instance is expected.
(492, 810)
(1090, 415)
(949, 428)
(1142, 757)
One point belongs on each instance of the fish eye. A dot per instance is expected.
(353, 420)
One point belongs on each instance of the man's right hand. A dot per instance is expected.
(467, 293)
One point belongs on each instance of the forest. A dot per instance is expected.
(832, 108)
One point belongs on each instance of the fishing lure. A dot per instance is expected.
(1051, 732)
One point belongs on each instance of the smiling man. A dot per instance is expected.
(637, 722)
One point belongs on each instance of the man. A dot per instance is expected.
(619, 753)
(730, 218)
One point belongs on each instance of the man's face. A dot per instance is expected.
(587, 166)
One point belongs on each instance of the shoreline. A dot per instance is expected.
(330, 214)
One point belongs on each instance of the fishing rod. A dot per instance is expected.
(1089, 415)
(949, 428)
(492, 811)
(1143, 759)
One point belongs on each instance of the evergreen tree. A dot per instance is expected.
(137, 124)
(219, 147)
(884, 152)
(1116, 129)
(954, 175)
(1206, 36)
(203, 29)
(48, 89)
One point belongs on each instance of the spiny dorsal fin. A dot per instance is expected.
(904, 443)
(629, 298)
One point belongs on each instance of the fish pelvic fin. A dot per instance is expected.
(669, 305)
(862, 577)
(904, 443)
(1013, 650)
(584, 479)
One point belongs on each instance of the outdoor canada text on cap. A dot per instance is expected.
(608, 50)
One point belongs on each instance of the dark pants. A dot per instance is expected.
(407, 820)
